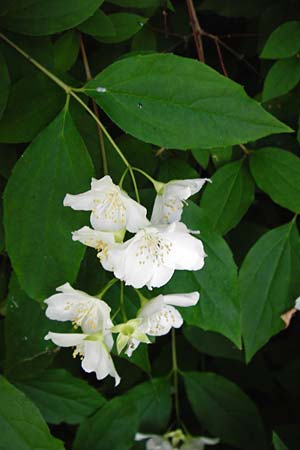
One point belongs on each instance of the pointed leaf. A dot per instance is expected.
(283, 42)
(283, 76)
(265, 284)
(178, 102)
(225, 411)
(229, 196)
(277, 172)
(39, 243)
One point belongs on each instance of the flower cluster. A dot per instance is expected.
(175, 440)
(149, 258)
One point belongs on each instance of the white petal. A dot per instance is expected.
(104, 183)
(160, 277)
(132, 345)
(158, 443)
(65, 339)
(136, 214)
(93, 238)
(141, 436)
(187, 252)
(190, 299)
(185, 188)
(297, 303)
(97, 359)
(157, 216)
(153, 306)
(80, 202)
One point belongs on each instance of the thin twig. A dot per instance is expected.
(221, 58)
(197, 30)
(95, 108)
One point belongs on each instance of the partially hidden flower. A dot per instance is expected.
(199, 443)
(154, 441)
(83, 310)
(130, 335)
(153, 254)
(94, 350)
(112, 209)
(159, 314)
(170, 199)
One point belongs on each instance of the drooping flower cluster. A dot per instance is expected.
(148, 258)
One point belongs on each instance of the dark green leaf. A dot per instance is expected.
(178, 102)
(144, 40)
(4, 84)
(125, 25)
(41, 17)
(98, 25)
(32, 103)
(283, 76)
(277, 173)
(66, 50)
(40, 245)
(225, 411)
(153, 402)
(201, 155)
(140, 358)
(27, 353)
(228, 197)
(61, 397)
(218, 308)
(212, 344)
(113, 427)
(22, 426)
(221, 156)
(8, 158)
(283, 42)
(265, 284)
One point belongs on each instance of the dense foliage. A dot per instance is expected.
(150, 91)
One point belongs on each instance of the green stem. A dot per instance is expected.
(158, 185)
(106, 287)
(43, 69)
(71, 91)
(123, 177)
(122, 305)
(175, 376)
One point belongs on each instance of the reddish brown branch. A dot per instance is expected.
(197, 30)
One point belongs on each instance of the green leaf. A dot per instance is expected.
(140, 358)
(225, 411)
(221, 156)
(277, 442)
(61, 397)
(22, 426)
(144, 40)
(265, 285)
(201, 155)
(177, 102)
(125, 25)
(27, 353)
(40, 246)
(66, 50)
(41, 17)
(4, 84)
(283, 42)
(99, 24)
(32, 103)
(212, 344)
(113, 426)
(154, 404)
(218, 308)
(283, 76)
(277, 172)
(228, 197)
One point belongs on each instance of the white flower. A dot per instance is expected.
(297, 303)
(130, 335)
(199, 443)
(153, 254)
(154, 442)
(169, 201)
(90, 313)
(112, 209)
(94, 350)
(100, 240)
(159, 316)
